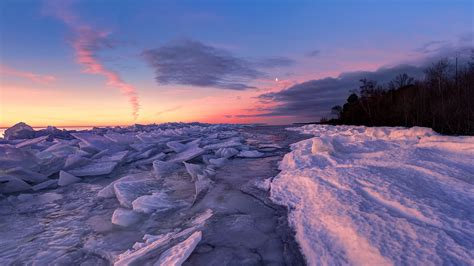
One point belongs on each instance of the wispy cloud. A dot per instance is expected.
(87, 42)
(189, 62)
(312, 99)
(37, 78)
(168, 110)
(313, 53)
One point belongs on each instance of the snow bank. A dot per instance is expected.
(380, 196)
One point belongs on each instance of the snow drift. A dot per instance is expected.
(380, 196)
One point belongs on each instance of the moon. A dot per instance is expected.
(276, 79)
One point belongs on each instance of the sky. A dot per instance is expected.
(107, 62)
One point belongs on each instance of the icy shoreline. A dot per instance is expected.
(141, 195)
(380, 196)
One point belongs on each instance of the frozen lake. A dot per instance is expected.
(223, 216)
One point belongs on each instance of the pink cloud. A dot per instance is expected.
(42, 79)
(85, 43)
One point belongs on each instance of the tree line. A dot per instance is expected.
(443, 100)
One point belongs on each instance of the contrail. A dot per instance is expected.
(85, 43)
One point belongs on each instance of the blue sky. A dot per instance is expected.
(343, 36)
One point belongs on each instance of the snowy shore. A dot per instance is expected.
(380, 196)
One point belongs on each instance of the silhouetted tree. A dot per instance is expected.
(443, 100)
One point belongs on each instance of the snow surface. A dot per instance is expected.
(380, 196)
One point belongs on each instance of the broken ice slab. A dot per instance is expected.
(234, 142)
(66, 178)
(177, 254)
(210, 170)
(75, 161)
(193, 170)
(94, 169)
(51, 183)
(157, 157)
(127, 192)
(142, 147)
(125, 217)
(135, 257)
(156, 202)
(113, 157)
(188, 154)
(100, 154)
(51, 165)
(121, 138)
(156, 244)
(163, 169)
(92, 142)
(59, 150)
(137, 155)
(250, 154)
(152, 138)
(109, 192)
(11, 157)
(26, 175)
(30, 142)
(19, 131)
(11, 184)
(218, 162)
(176, 146)
(226, 152)
(201, 186)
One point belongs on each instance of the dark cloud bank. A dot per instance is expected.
(188, 62)
(311, 100)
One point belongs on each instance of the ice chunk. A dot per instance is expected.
(234, 142)
(94, 169)
(193, 170)
(163, 169)
(46, 184)
(218, 162)
(26, 175)
(176, 146)
(157, 157)
(31, 142)
(176, 255)
(121, 138)
(226, 152)
(133, 257)
(19, 131)
(250, 154)
(109, 192)
(127, 192)
(100, 154)
(201, 186)
(115, 157)
(60, 149)
(12, 157)
(10, 184)
(188, 154)
(66, 178)
(209, 170)
(95, 142)
(75, 160)
(156, 244)
(156, 202)
(125, 217)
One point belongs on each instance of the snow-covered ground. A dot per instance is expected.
(380, 196)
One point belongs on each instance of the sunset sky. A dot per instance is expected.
(71, 63)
